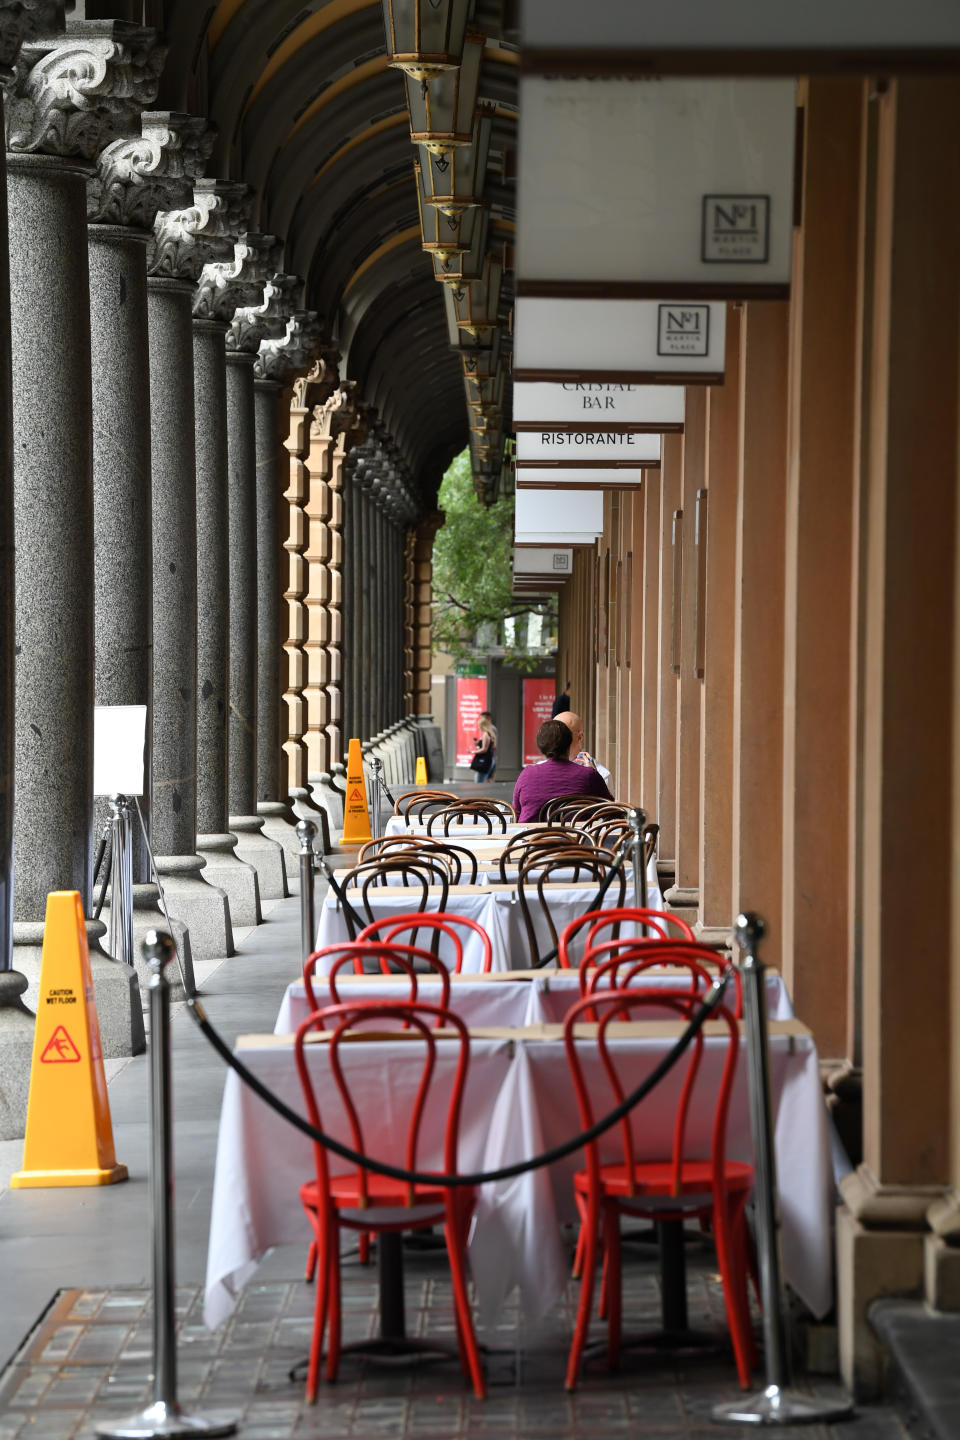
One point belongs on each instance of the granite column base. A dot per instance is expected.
(148, 915)
(115, 987)
(305, 808)
(264, 854)
(203, 908)
(16, 1054)
(235, 877)
(280, 824)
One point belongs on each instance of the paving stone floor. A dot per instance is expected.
(75, 1330)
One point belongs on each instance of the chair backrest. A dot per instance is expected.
(422, 1021)
(657, 921)
(377, 873)
(522, 852)
(417, 811)
(533, 897)
(356, 953)
(457, 858)
(442, 924)
(666, 953)
(629, 961)
(464, 815)
(410, 797)
(551, 810)
(617, 1005)
(650, 835)
(387, 846)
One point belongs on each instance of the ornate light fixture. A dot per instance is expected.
(453, 181)
(444, 236)
(442, 108)
(480, 362)
(465, 264)
(425, 37)
(474, 307)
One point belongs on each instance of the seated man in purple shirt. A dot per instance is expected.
(558, 775)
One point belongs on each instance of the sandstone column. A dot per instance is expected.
(72, 94)
(671, 557)
(649, 642)
(909, 905)
(258, 257)
(134, 179)
(222, 287)
(183, 242)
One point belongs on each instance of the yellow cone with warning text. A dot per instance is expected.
(421, 770)
(69, 1134)
(356, 816)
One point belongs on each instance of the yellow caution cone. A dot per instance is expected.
(421, 770)
(69, 1134)
(356, 816)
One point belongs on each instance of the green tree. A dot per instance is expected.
(471, 568)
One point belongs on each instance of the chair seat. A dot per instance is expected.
(382, 1193)
(655, 1178)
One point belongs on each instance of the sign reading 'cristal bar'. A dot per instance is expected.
(587, 447)
(573, 403)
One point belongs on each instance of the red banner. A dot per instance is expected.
(471, 701)
(538, 698)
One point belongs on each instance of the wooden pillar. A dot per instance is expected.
(671, 471)
(909, 718)
(298, 447)
(631, 695)
(684, 894)
(758, 618)
(649, 644)
(716, 909)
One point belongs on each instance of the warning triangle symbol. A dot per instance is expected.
(356, 793)
(59, 1049)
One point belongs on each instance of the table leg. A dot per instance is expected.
(673, 1276)
(393, 1324)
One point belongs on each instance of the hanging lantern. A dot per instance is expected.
(476, 304)
(465, 265)
(425, 37)
(486, 391)
(442, 109)
(480, 362)
(444, 236)
(453, 180)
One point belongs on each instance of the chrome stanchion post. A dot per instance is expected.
(637, 821)
(120, 940)
(164, 1417)
(306, 834)
(777, 1403)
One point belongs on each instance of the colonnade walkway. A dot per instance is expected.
(76, 1266)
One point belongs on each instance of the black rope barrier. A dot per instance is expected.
(482, 1177)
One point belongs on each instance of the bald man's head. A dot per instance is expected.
(575, 725)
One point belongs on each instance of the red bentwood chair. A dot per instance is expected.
(670, 1187)
(392, 959)
(386, 931)
(368, 1202)
(643, 953)
(658, 921)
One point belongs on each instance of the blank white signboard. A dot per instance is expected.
(119, 743)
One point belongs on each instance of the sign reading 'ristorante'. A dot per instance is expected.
(587, 447)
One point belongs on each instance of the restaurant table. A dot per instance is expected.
(518, 1100)
(513, 997)
(494, 907)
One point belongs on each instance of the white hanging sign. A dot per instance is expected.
(543, 477)
(587, 448)
(573, 405)
(557, 564)
(119, 744)
(656, 188)
(618, 341)
(573, 517)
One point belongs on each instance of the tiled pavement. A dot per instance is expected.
(79, 1260)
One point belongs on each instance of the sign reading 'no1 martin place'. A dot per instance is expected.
(572, 405)
(618, 341)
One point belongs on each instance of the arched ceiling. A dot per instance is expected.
(312, 117)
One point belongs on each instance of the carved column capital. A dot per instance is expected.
(22, 20)
(281, 359)
(74, 93)
(185, 241)
(254, 325)
(153, 171)
(225, 285)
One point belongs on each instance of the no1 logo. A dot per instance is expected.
(683, 329)
(736, 230)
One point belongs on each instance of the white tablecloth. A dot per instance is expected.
(543, 998)
(518, 1100)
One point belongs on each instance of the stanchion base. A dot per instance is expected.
(167, 1422)
(775, 1406)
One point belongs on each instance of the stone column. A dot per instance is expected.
(758, 633)
(684, 894)
(257, 257)
(16, 1021)
(409, 546)
(278, 360)
(183, 242)
(716, 912)
(134, 179)
(899, 1225)
(425, 532)
(222, 287)
(72, 94)
(318, 554)
(670, 553)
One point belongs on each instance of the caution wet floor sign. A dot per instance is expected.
(69, 1134)
(356, 816)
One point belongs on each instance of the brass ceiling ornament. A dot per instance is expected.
(442, 108)
(444, 236)
(464, 265)
(425, 37)
(453, 181)
(474, 306)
